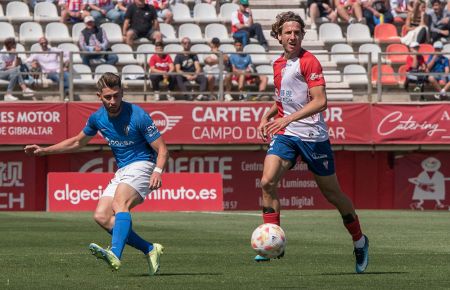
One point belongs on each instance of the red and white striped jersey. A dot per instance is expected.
(73, 5)
(293, 78)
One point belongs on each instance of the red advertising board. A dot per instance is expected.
(413, 124)
(180, 192)
(32, 123)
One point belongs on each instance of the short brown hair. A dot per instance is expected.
(9, 42)
(108, 80)
(284, 17)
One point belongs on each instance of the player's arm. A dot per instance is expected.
(163, 156)
(317, 104)
(69, 145)
(265, 119)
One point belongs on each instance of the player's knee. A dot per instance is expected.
(268, 185)
(101, 218)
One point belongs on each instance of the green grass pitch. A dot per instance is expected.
(409, 250)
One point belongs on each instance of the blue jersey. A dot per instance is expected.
(129, 134)
(240, 61)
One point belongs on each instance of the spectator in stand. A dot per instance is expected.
(141, 21)
(243, 27)
(400, 9)
(438, 21)
(320, 9)
(188, 68)
(49, 63)
(163, 11)
(415, 68)
(10, 70)
(242, 69)
(103, 11)
(94, 39)
(349, 10)
(73, 11)
(376, 12)
(439, 64)
(121, 7)
(416, 25)
(161, 65)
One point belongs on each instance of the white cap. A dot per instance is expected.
(438, 45)
(88, 19)
(414, 44)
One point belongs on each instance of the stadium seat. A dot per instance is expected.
(2, 14)
(402, 74)
(267, 70)
(17, 11)
(227, 48)
(30, 32)
(21, 48)
(192, 31)
(310, 35)
(332, 76)
(104, 68)
(388, 77)
(133, 75)
(397, 58)
(200, 47)
(74, 49)
(355, 74)
(425, 49)
(82, 75)
(386, 33)
(124, 58)
(57, 32)
(35, 47)
(321, 55)
(331, 33)
(358, 33)
(173, 49)
(76, 30)
(403, 31)
(113, 32)
(446, 50)
(144, 50)
(347, 58)
(374, 50)
(181, 13)
(168, 33)
(45, 12)
(259, 58)
(205, 13)
(226, 10)
(6, 31)
(217, 30)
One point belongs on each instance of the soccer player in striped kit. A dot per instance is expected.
(300, 130)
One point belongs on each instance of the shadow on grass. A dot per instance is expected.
(179, 274)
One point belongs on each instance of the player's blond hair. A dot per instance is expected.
(284, 17)
(108, 80)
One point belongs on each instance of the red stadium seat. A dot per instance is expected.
(402, 74)
(397, 58)
(386, 33)
(388, 77)
(425, 49)
(404, 31)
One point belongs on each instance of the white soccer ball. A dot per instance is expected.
(268, 240)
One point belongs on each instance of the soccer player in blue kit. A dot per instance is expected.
(141, 155)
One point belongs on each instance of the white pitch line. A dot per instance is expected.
(233, 213)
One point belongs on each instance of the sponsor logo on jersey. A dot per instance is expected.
(315, 76)
(164, 122)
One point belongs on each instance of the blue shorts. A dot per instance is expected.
(317, 155)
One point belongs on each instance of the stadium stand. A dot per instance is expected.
(205, 13)
(145, 52)
(124, 58)
(45, 12)
(57, 32)
(6, 31)
(192, 31)
(18, 12)
(200, 47)
(181, 13)
(386, 33)
(76, 58)
(168, 33)
(30, 32)
(358, 33)
(217, 30)
(346, 58)
(397, 48)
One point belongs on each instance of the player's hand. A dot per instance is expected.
(262, 129)
(155, 181)
(33, 150)
(273, 127)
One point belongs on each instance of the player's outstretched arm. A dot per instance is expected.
(163, 156)
(66, 146)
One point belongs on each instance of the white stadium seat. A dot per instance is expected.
(35, 47)
(104, 68)
(45, 12)
(217, 30)
(82, 75)
(74, 49)
(192, 31)
(331, 33)
(173, 49)
(17, 11)
(227, 48)
(168, 33)
(6, 31)
(257, 59)
(332, 76)
(205, 13)
(76, 30)
(226, 10)
(358, 33)
(347, 58)
(127, 58)
(57, 32)
(200, 47)
(146, 49)
(372, 48)
(30, 32)
(267, 70)
(133, 75)
(113, 32)
(355, 74)
(2, 14)
(181, 13)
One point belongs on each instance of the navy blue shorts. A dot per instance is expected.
(317, 155)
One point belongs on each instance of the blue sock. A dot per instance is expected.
(137, 242)
(121, 231)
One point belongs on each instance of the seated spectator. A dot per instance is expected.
(415, 25)
(102, 10)
(376, 12)
(162, 11)
(349, 10)
(243, 27)
(439, 64)
(438, 21)
(94, 39)
(10, 70)
(141, 21)
(415, 68)
(189, 69)
(400, 9)
(73, 11)
(242, 70)
(161, 65)
(212, 69)
(49, 63)
(121, 7)
(318, 9)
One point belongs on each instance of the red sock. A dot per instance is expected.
(272, 218)
(354, 229)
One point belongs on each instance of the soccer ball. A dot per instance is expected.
(268, 240)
